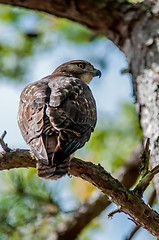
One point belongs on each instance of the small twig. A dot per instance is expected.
(126, 70)
(144, 182)
(144, 167)
(111, 214)
(150, 203)
(3, 144)
(146, 174)
(136, 228)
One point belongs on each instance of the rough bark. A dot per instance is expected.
(126, 200)
(111, 18)
(142, 50)
(127, 175)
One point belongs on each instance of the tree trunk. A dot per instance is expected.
(142, 50)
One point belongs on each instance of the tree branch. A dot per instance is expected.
(145, 181)
(109, 17)
(95, 174)
(3, 144)
(97, 202)
(150, 203)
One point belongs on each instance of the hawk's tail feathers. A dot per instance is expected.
(53, 171)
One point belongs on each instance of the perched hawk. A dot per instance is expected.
(57, 115)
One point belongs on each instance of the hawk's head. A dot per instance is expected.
(78, 68)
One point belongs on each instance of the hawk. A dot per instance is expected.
(57, 115)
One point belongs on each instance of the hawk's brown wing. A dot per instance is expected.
(31, 114)
(72, 111)
(56, 116)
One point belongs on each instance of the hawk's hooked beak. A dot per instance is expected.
(97, 72)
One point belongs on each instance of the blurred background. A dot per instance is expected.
(32, 45)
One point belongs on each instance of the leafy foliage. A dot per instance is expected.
(27, 208)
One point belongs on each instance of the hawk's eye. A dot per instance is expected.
(81, 65)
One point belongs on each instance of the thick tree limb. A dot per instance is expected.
(150, 203)
(95, 174)
(19, 158)
(109, 17)
(127, 174)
